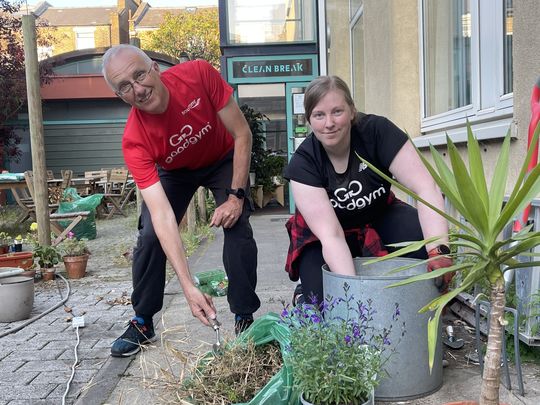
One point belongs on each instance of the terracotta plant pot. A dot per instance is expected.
(75, 266)
(47, 274)
(24, 260)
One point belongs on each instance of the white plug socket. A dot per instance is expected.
(77, 322)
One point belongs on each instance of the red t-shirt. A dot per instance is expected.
(189, 134)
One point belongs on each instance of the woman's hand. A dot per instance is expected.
(440, 261)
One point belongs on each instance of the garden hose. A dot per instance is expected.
(35, 318)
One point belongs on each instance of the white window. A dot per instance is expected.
(356, 28)
(466, 62)
(271, 21)
(84, 37)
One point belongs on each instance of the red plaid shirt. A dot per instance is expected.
(300, 236)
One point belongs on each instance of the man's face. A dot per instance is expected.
(137, 82)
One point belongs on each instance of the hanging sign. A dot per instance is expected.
(272, 68)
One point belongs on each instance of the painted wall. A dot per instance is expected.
(65, 39)
(526, 66)
(392, 61)
(337, 16)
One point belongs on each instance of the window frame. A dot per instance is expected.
(89, 31)
(500, 106)
(229, 31)
(353, 20)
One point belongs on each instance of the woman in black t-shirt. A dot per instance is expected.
(344, 209)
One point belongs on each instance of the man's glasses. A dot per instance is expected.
(125, 88)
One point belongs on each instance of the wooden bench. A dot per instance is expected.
(61, 232)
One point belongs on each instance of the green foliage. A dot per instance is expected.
(264, 163)
(5, 239)
(13, 77)
(196, 33)
(485, 213)
(71, 246)
(336, 359)
(46, 256)
(192, 240)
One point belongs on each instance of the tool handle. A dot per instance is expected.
(450, 331)
(215, 323)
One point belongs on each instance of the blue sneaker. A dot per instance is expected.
(136, 335)
(241, 323)
(298, 296)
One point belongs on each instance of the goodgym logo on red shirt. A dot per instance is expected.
(187, 136)
(191, 106)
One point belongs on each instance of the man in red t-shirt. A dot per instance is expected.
(184, 131)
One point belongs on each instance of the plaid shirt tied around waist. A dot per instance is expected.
(369, 241)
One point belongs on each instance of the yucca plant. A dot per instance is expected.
(486, 213)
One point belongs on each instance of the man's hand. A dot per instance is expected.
(201, 305)
(228, 213)
(439, 262)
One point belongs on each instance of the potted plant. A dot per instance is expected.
(336, 356)
(17, 243)
(17, 258)
(255, 120)
(486, 211)
(265, 165)
(47, 258)
(5, 242)
(75, 256)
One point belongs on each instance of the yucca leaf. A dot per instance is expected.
(473, 206)
(520, 247)
(473, 275)
(498, 182)
(415, 196)
(530, 254)
(411, 247)
(523, 233)
(397, 269)
(430, 275)
(523, 197)
(446, 180)
(521, 265)
(472, 239)
(433, 324)
(476, 168)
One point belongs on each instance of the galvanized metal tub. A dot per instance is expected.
(16, 298)
(408, 367)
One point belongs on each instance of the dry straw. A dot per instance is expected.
(196, 376)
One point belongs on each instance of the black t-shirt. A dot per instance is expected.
(358, 195)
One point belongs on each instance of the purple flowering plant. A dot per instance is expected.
(71, 246)
(336, 354)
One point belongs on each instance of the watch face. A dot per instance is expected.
(445, 250)
(238, 192)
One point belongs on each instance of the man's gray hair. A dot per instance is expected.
(117, 49)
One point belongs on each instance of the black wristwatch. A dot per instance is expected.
(237, 192)
(443, 250)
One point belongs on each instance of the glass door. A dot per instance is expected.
(297, 125)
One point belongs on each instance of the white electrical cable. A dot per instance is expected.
(35, 318)
(72, 367)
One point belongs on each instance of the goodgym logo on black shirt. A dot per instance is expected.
(351, 198)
